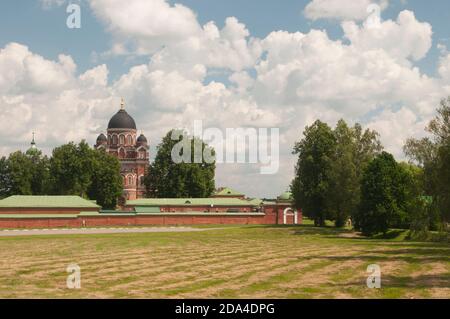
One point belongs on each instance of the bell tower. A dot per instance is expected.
(131, 150)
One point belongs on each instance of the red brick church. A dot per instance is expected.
(131, 150)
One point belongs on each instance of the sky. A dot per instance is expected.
(253, 63)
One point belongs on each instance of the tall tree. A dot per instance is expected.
(367, 147)
(71, 168)
(384, 196)
(433, 155)
(343, 195)
(331, 164)
(5, 178)
(24, 174)
(77, 169)
(173, 179)
(106, 182)
(40, 181)
(354, 150)
(311, 184)
(21, 170)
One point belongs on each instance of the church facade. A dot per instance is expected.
(122, 141)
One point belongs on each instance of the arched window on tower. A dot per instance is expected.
(121, 153)
(114, 139)
(130, 140)
(121, 139)
(130, 180)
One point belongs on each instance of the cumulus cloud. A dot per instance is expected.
(343, 9)
(404, 38)
(173, 35)
(396, 127)
(149, 23)
(47, 97)
(444, 67)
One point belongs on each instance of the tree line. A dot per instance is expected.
(343, 174)
(77, 169)
(72, 169)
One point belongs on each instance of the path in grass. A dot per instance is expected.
(242, 262)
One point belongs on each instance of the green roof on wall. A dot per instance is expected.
(226, 191)
(24, 201)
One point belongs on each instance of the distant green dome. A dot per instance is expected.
(33, 148)
(285, 196)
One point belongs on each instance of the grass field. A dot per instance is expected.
(233, 262)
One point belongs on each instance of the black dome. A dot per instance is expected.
(142, 139)
(101, 138)
(122, 120)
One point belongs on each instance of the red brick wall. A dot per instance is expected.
(273, 215)
(133, 220)
(39, 222)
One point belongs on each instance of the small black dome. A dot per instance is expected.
(101, 138)
(142, 139)
(122, 120)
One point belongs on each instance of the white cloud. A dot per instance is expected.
(150, 23)
(404, 38)
(174, 36)
(284, 80)
(444, 67)
(395, 127)
(24, 71)
(47, 97)
(342, 9)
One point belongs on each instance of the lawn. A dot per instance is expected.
(233, 262)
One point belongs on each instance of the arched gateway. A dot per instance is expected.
(289, 211)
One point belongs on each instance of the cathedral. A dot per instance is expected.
(131, 150)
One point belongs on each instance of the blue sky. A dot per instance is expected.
(279, 64)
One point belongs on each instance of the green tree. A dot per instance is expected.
(5, 178)
(24, 174)
(77, 169)
(166, 178)
(21, 170)
(338, 160)
(71, 169)
(343, 193)
(106, 182)
(432, 154)
(40, 181)
(311, 183)
(385, 190)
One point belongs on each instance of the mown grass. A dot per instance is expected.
(233, 262)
